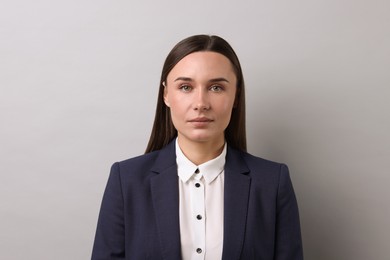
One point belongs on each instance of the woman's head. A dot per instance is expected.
(163, 129)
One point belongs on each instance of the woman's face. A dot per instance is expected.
(200, 92)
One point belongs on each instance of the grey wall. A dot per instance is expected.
(79, 82)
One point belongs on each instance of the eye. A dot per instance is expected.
(216, 88)
(185, 88)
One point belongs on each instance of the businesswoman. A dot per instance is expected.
(196, 193)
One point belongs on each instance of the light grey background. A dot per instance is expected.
(78, 89)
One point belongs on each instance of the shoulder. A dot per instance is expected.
(147, 163)
(255, 162)
(144, 160)
(133, 170)
(270, 176)
(259, 168)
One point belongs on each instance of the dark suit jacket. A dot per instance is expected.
(139, 216)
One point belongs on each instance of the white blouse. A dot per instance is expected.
(201, 190)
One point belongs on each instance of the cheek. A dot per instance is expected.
(177, 107)
(180, 103)
(225, 107)
(174, 102)
(226, 113)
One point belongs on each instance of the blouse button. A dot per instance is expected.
(197, 185)
(199, 250)
(199, 217)
(197, 171)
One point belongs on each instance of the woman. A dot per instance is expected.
(196, 193)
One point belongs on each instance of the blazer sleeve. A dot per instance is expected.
(288, 234)
(110, 233)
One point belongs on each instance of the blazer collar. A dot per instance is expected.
(165, 195)
(236, 197)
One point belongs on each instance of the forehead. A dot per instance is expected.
(203, 64)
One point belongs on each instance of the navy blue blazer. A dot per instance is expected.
(139, 216)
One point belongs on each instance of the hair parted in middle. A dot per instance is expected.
(163, 130)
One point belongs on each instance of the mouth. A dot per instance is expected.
(200, 121)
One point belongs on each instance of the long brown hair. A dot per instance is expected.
(163, 130)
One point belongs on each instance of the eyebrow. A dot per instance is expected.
(211, 80)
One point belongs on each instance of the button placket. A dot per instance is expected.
(198, 210)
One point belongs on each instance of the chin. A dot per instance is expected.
(201, 137)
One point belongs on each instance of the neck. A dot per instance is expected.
(201, 152)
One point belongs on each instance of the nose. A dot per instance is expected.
(202, 100)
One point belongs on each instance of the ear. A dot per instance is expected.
(165, 94)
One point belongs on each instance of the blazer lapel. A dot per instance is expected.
(236, 197)
(165, 196)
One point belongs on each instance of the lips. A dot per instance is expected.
(200, 120)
